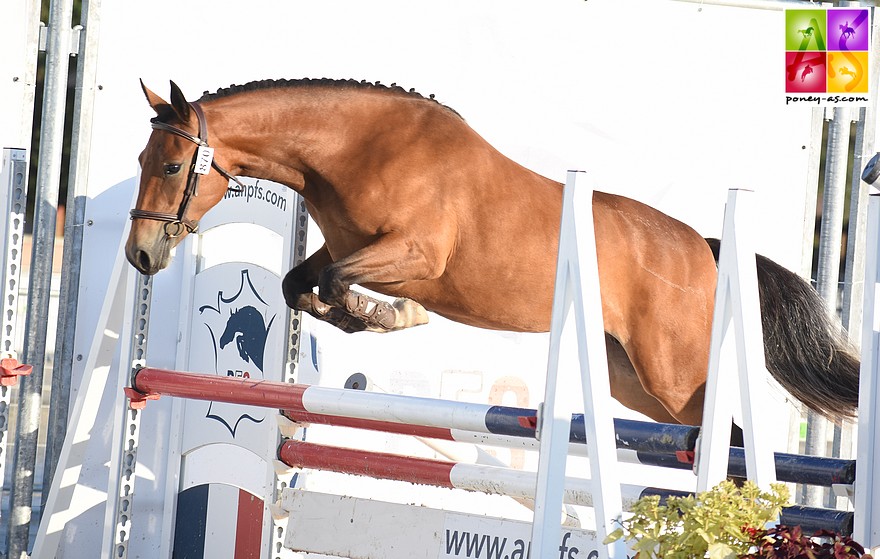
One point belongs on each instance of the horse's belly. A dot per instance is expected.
(492, 308)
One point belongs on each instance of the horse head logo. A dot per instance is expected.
(237, 332)
(246, 327)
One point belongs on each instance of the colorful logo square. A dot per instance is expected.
(827, 51)
(805, 30)
(848, 72)
(805, 72)
(848, 30)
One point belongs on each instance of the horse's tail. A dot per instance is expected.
(805, 350)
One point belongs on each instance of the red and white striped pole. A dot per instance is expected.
(495, 480)
(409, 415)
(492, 480)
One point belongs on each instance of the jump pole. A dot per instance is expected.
(409, 415)
(444, 474)
(495, 480)
(491, 480)
(645, 443)
(653, 444)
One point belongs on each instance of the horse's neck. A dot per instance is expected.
(291, 135)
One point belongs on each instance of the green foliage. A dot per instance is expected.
(722, 523)
(727, 522)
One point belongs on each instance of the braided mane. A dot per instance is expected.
(319, 83)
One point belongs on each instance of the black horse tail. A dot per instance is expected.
(805, 351)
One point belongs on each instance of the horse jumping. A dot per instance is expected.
(414, 204)
(847, 72)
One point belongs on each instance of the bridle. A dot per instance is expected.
(202, 155)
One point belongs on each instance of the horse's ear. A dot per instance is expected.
(156, 102)
(179, 103)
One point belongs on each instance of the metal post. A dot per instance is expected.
(46, 207)
(80, 149)
(298, 239)
(13, 200)
(121, 516)
(828, 271)
(814, 156)
(29, 78)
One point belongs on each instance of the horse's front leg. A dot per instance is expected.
(390, 259)
(357, 312)
(298, 286)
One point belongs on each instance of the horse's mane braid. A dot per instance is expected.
(322, 82)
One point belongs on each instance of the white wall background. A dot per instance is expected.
(670, 103)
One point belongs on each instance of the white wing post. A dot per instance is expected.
(866, 527)
(736, 301)
(82, 464)
(577, 285)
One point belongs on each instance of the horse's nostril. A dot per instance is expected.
(143, 261)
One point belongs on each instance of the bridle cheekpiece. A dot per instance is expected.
(201, 164)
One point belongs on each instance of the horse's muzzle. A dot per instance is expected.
(148, 261)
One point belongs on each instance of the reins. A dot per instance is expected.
(203, 160)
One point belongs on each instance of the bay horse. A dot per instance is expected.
(414, 204)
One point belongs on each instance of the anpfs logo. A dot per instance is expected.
(826, 55)
(238, 329)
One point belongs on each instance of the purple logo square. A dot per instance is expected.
(848, 29)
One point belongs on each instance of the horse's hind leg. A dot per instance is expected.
(628, 390)
(671, 360)
(626, 387)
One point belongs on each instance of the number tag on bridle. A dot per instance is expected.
(204, 157)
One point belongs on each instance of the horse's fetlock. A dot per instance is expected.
(332, 296)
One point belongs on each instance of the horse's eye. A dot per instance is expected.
(172, 168)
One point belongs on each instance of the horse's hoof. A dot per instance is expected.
(409, 313)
